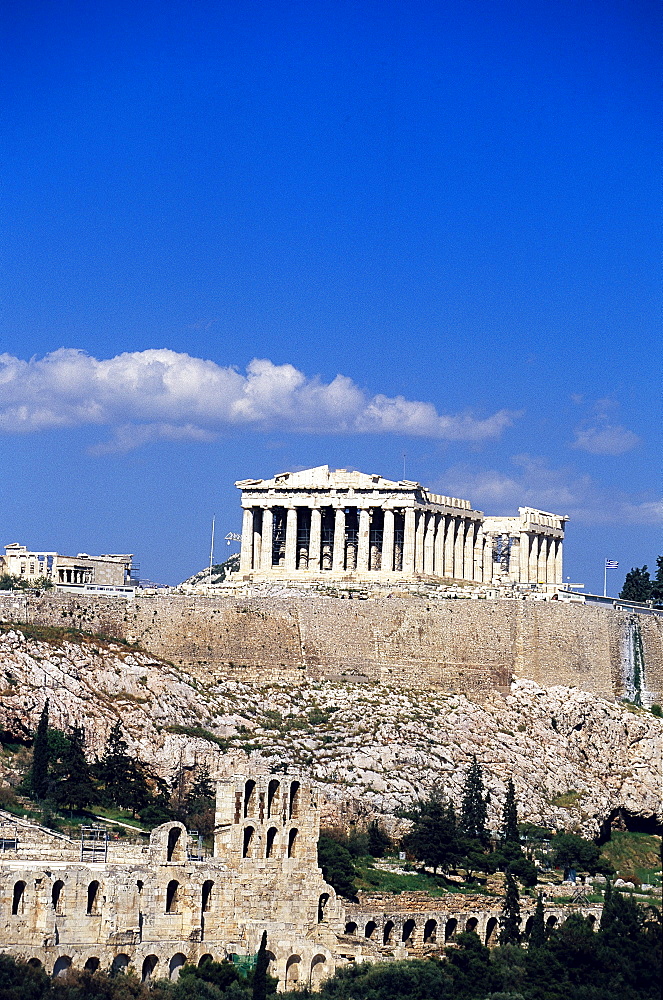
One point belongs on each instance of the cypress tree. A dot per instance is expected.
(259, 991)
(74, 785)
(40, 757)
(510, 916)
(537, 936)
(473, 810)
(510, 816)
(116, 769)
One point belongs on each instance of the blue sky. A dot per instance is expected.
(246, 237)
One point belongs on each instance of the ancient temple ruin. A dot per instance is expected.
(336, 525)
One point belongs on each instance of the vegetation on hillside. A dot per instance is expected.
(638, 585)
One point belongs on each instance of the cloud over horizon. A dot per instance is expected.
(161, 394)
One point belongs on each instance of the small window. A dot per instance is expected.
(270, 841)
(57, 895)
(247, 844)
(172, 894)
(18, 899)
(292, 843)
(206, 904)
(93, 897)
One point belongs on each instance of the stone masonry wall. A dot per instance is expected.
(417, 643)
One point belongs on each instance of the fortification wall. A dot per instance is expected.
(464, 645)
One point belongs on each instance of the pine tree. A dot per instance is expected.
(637, 586)
(259, 991)
(434, 837)
(40, 757)
(74, 787)
(510, 816)
(657, 583)
(117, 770)
(473, 810)
(510, 916)
(537, 937)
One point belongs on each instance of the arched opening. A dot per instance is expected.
(18, 899)
(293, 971)
(204, 959)
(174, 850)
(293, 810)
(172, 896)
(250, 798)
(528, 926)
(91, 965)
(271, 963)
(57, 895)
(550, 924)
(34, 963)
(269, 842)
(149, 965)
(292, 843)
(62, 964)
(408, 930)
(491, 931)
(370, 930)
(119, 965)
(318, 969)
(322, 902)
(471, 925)
(450, 929)
(206, 900)
(388, 932)
(175, 964)
(273, 798)
(351, 927)
(592, 921)
(247, 843)
(93, 898)
(430, 932)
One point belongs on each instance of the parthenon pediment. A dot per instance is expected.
(322, 477)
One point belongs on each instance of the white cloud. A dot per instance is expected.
(599, 435)
(146, 395)
(562, 490)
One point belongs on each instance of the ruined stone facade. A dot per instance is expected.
(66, 571)
(340, 525)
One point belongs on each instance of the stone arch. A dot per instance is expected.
(293, 971)
(34, 963)
(270, 841)
(92, 964)
(370, 929)
(592, 920)
(273, 798)
(318, 969)
(93, 898)
(247, 842)
(350, 927)
(149, 965)
(175, 848)
(271, 963)
(250, 796)
(205, 958)
(172, 896)
(206, 895)
(430, 931)
(491, 931)
(57, 895)
(551, 923)
(471, 925)
(175, 964)
(293, 809)
(388, 932)
(409, 928)
(450, 929)
(119, 965)
(292, 843)
(18, 898)
(528, 926)
(61, 965)
(322, 903)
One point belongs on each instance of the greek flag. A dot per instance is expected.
(611, 564)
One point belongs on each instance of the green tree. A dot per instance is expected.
(40, 757)
(259, 987)
(122, 776)
(434, 837)
(379, 842)
(537, 936)
(473, 810)
(73, 784)
(337, 868)
(510, 816)
(637, 585)
(572, 851)
(657, 583)
(510, 915)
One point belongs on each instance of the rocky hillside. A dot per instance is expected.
(575, 759)
(220, 572)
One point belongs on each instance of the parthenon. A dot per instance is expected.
(338, 525)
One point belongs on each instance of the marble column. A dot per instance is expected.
(449, 528)
(363, 540)
(257, 537)
(533, 569)
(559, 578)
(429, 543)
(314, 540)
(387, 561)
(487, 559)
(420, 531)
(338, 560)
(459, 548)
(524, 557)
(544, 562)
(438, 554)
(291, 540)
(469, 550)
(246, 550)
(267, 545)
(408, 541)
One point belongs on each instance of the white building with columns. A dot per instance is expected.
(341, 526)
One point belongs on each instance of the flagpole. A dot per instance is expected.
(605, 577)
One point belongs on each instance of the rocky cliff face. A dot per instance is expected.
(574, 757)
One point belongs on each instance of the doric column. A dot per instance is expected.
(478, 552)
(468, 558)
(291, 540)
(524, 556)
(408, 541)
(267, 544)
(544, 561)
(459, 548)
(449, 529)
(438, 553)
(419, 536)
(314, 540)
(387, 562)
(559, 578)
(533, 570)
(429, 543)
(363, 540)
(487, 559)
(338, 561)
(246, 551)
(257, 537)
